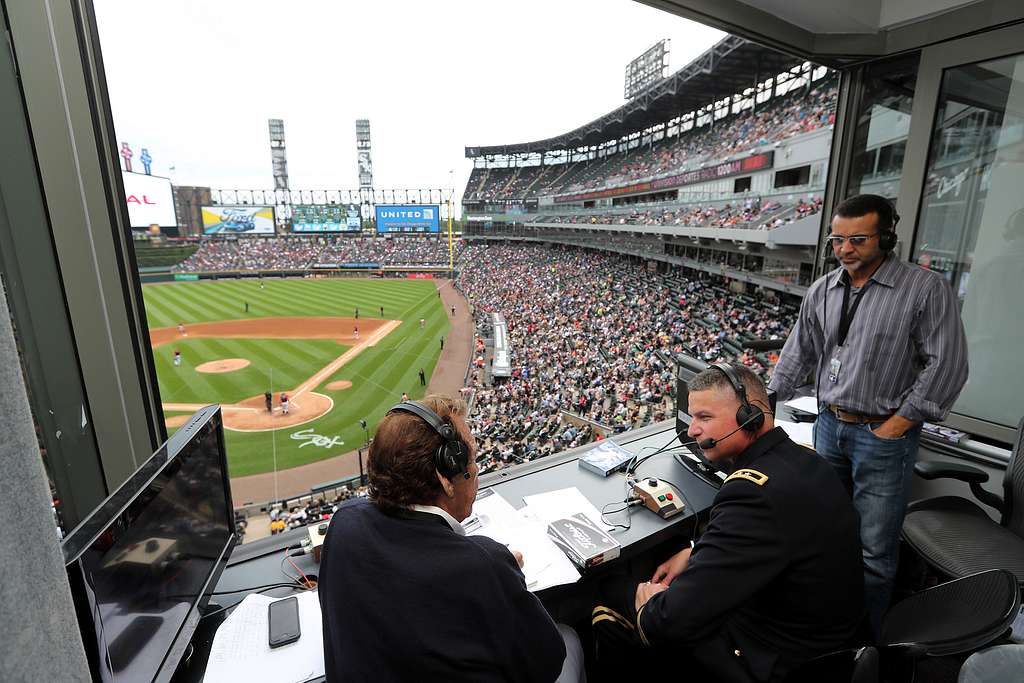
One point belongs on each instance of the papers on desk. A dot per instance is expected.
(800, 432)
(804, 404)
(241, 648)
(544, 565)
(554, 505)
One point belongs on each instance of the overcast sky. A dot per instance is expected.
(196, 81)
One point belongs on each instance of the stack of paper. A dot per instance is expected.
(800, 432)
(544, 565)
(554, 505)
(241, 648)
(804, 404)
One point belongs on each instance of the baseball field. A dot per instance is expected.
(242, 338)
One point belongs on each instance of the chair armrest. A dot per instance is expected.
(931, 469)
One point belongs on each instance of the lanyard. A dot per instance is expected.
(846, 317)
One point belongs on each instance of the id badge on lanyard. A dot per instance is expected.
(835, 365)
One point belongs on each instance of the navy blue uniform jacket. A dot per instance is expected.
(776, 578)
(405, 598)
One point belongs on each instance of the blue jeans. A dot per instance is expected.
(877, 473)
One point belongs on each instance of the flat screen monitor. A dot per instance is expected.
(142, 565)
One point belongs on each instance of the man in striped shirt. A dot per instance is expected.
(887, 346)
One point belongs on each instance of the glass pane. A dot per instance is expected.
(883, 121)
(971, 227)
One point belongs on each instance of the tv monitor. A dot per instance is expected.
(141, 566)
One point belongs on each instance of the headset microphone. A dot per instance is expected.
(705, 444)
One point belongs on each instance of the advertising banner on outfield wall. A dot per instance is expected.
(150, 200)
(238, 220)
(408, 218)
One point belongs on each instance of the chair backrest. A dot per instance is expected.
(954, 617)
(1013, 486)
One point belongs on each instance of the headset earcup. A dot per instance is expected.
(887, 240)
(750, 417)
(445, 462)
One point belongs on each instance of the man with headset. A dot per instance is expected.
(775, 579)
(406, 595)
(886, 343)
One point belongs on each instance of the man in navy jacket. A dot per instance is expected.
(406, 595)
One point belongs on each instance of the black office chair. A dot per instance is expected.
(955, 535)
(954, 618)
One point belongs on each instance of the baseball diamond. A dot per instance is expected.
(299, 341)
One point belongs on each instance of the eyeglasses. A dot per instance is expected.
(855, 240)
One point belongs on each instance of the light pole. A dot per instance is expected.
(451, 251)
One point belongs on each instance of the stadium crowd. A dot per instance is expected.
(298, 252)
(751, 213)
(788, 115)
(594, 335)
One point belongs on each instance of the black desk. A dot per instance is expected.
(646, 528)
(260, 563)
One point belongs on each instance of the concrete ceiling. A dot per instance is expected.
(840, 32)
(859, 16)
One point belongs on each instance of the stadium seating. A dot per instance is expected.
(751, 213)
(594, 335)
(299, 253)
(789, 115)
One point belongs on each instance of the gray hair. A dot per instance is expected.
(716, 379)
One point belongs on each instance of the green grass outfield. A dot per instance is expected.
(379, 374)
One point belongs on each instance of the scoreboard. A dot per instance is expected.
(326, 217)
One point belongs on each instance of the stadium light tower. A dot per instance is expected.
(451, 250)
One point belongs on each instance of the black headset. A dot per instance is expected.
(887, 238)
(748, 417)
(452, 456)
(887, 215)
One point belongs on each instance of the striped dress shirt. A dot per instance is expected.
(906, 352)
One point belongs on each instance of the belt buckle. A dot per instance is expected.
(836, 410)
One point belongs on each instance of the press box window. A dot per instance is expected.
(800, 175)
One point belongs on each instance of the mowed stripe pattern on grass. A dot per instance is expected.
(208, 301)
(275, 365)
(379, 374)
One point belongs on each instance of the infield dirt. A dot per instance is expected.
(304, 405)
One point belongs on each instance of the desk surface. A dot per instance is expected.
(646, 528)
(263, 562)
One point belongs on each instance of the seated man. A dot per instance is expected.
(776, 578)
(406, 595)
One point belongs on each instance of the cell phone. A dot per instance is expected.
(283, 620)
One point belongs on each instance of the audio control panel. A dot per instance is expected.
(659, 497)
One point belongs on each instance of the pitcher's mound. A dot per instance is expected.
(223, 365)
(339, 384)
(251, 414)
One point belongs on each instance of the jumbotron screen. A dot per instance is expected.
(325, 217)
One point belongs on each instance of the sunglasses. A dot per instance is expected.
(854, 240)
